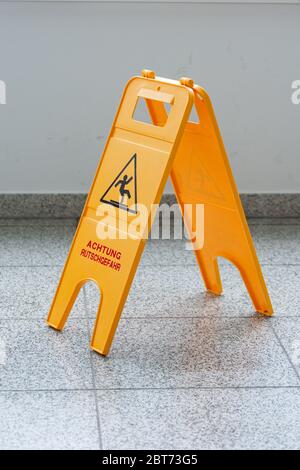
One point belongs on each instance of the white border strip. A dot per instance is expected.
(207, 2)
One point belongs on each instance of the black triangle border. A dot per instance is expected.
(134, 157)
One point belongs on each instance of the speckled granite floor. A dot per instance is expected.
(187, 370)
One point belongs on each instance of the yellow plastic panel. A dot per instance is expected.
(133, 170)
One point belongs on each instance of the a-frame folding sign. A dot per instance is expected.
(137, 160)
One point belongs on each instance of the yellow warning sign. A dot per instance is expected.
(122, 193)
(195, 157)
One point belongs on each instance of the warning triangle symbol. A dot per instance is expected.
(122, 193)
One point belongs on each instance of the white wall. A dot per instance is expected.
(65, 65)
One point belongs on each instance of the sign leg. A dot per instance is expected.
(66, 294)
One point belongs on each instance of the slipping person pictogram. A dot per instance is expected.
(123, 183)
(122, 192)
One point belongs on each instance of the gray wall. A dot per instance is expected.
(65, 65)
